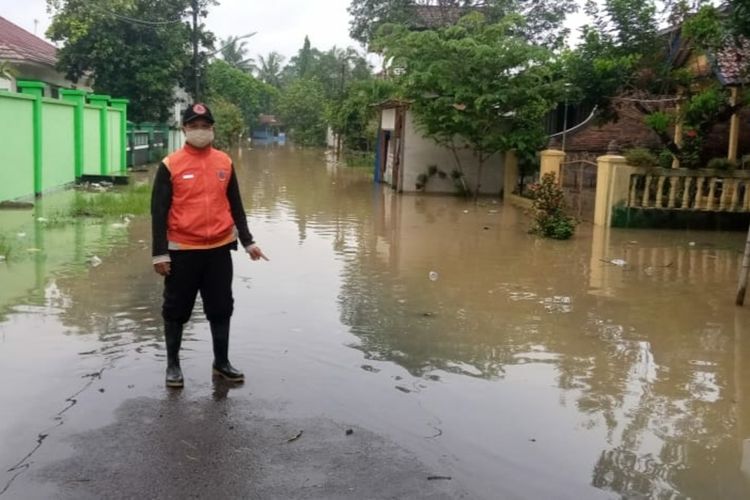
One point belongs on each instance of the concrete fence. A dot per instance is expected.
(615, 194)
(48, 142)
(652, 197)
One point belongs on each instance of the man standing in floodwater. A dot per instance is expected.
(196, 218)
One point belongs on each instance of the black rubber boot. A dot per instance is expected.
(173, 338)
(222, 366)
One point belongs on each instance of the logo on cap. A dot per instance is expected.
(199, 109)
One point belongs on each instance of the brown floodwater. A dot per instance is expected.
(614, 365)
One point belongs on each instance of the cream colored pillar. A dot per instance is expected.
(612, 187)
(510, 178)
(551, 161)
(734, 130)
(677, 135)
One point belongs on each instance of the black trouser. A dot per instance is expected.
(206, 271)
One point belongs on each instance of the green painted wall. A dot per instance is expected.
(58, 145)
(17, 153)
(91, 143)
(115, 140)
(48, 143)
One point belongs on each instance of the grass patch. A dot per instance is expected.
(359, 159)
(133, 199)
(5, 248)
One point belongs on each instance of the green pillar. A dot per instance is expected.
(149, 127)
(102, 101)
(122, 105)
(35, 89)
(77, 97)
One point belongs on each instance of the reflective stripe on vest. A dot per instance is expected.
(200, 216)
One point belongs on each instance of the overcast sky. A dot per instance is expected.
(281, 24)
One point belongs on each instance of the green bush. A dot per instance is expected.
(666, 159)
(722, 164)
(550, 219)
(641, 157)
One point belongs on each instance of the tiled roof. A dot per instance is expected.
(732, 64)
(17, 44)
(436, 16)
(268, 120)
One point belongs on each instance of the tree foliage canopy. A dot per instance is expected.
(538, 21)
(233, 85)
(114, 43)
(475, 83)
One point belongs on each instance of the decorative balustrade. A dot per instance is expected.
(697, 190)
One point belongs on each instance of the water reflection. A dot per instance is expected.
(648, 348)
(622, 348)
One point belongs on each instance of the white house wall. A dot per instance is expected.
(420, 153)
(388, 121)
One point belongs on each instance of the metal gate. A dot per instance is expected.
(579, 186)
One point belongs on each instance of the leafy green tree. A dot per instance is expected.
(230, 124)
(234, 53)
(624, 53)
(302, 108)
(540, 21)
(354, 117)
(250, 95)
(138, 49)
(475, 84)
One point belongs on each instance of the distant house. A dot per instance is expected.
(730, 67)
(410, 162)
(31, 58)
(268, 130)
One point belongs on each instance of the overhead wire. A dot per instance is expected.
(142, 22)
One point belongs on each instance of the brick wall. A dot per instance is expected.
(630, 131)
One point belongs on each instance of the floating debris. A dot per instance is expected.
(403, 389)
(95, 261)
(369, 368)
(434, 276)
(615, 262)
(296, 437)
(439, 478)
(42, 220)
(349, 432)
(2, 258)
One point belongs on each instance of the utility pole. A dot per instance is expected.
(744, 271)
(196, 70)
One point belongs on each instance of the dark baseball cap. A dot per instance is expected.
(197, 110)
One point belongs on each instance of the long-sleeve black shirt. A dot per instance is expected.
(161, 202)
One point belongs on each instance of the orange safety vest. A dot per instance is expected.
(200, 216)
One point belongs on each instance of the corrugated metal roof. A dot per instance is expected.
(17, 44)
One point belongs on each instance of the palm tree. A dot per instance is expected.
(234, 52)
(270, 69)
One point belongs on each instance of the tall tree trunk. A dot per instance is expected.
(459, 168)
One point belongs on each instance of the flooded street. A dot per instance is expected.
(468, 358)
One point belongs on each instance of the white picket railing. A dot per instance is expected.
(697, 190)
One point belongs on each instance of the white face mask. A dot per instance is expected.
(199, 137)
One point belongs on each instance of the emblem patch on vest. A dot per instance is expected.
(222, 175)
